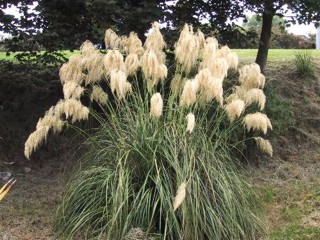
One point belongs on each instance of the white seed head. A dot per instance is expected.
(72, 70)
(113, 60)
(257, 121)
(132, 64)
(250, 76)
(72, 90)
(264, 145)
(189, 93)
(156, 105)
(155, 39)
(234, 109)
(187, 48)
(87, 48)
(180, 196)
(255, 95)
(191, 121)
(98, 95)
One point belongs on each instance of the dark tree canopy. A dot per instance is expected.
(61, 24)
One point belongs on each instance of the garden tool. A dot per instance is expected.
(6, 188)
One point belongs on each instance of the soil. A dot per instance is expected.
(287, 182)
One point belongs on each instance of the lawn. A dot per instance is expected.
(274, 54)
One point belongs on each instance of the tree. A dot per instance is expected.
(64, 24)
(303, 11)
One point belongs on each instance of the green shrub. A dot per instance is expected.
(304, 63)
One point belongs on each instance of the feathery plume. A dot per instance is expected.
(72, 70)
(34, 140)
(118, 83)
(232, 60)
(201, 38)
(257, 121)
(264, 145)
(52, 122)
(223, 52)
(87, 48)
(71, 107)
(132, 63)
(234, 109)
(210, 49)
(250, 76)
(134, 44)
(187, 48)
(180, 196)
(94, 66)
(213, 90)
(218, 66)
(72, 90)
(113, 60)
(98, 95)
(155, 39)
(189, 93)
(191, 120)
(156, 105)
(255, 95)
(149, 64)
(176, 85)
(111, 39)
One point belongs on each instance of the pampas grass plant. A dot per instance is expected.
(160, 160)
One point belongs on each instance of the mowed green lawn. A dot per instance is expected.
(274, 54)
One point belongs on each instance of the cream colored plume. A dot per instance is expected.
(176, 85)
(213, 90)
(72, 108)
(113, 60)
(53, 122)
(87, 48)
(257, 121)
(210, 49)
(132, 64)
(187, 48)
(155, 39)
(118, 83)
(264, 145)
(191, 121)
(234, 109)
(111, 39)
(40, 134)
(156, 105)
(95, 67)
(232, 60)
(98, 95)
(255, 95)
(201, 38)
(189, 93)
(250, 76)
(72, 70)
(180, 196)
(223, 52)
(150, 64)
(34, 140)
(134, 44)
(218, 66)
(72, 90)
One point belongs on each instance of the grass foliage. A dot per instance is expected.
(304, 63)
(133, 166)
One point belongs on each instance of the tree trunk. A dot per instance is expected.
(265, 36)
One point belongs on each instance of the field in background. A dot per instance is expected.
(280, 54)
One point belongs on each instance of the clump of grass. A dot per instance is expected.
(161, 160)
(304, 63)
